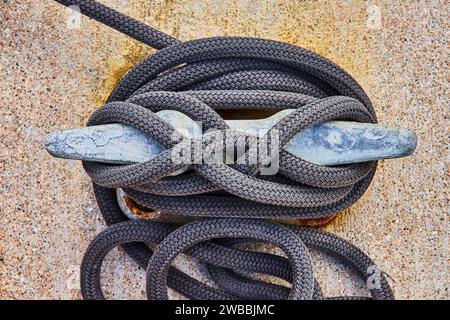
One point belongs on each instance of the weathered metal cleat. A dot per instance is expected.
(331, 143)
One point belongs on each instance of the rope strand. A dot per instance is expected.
(201, 78)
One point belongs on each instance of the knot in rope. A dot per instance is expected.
(202, 79)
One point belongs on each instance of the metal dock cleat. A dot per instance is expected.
(331, 143)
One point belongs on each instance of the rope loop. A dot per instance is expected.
(206, 79)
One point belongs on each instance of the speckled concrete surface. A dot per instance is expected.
(53, 77)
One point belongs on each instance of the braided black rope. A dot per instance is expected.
(199, 78)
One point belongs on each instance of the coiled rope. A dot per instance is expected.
(200, 78)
